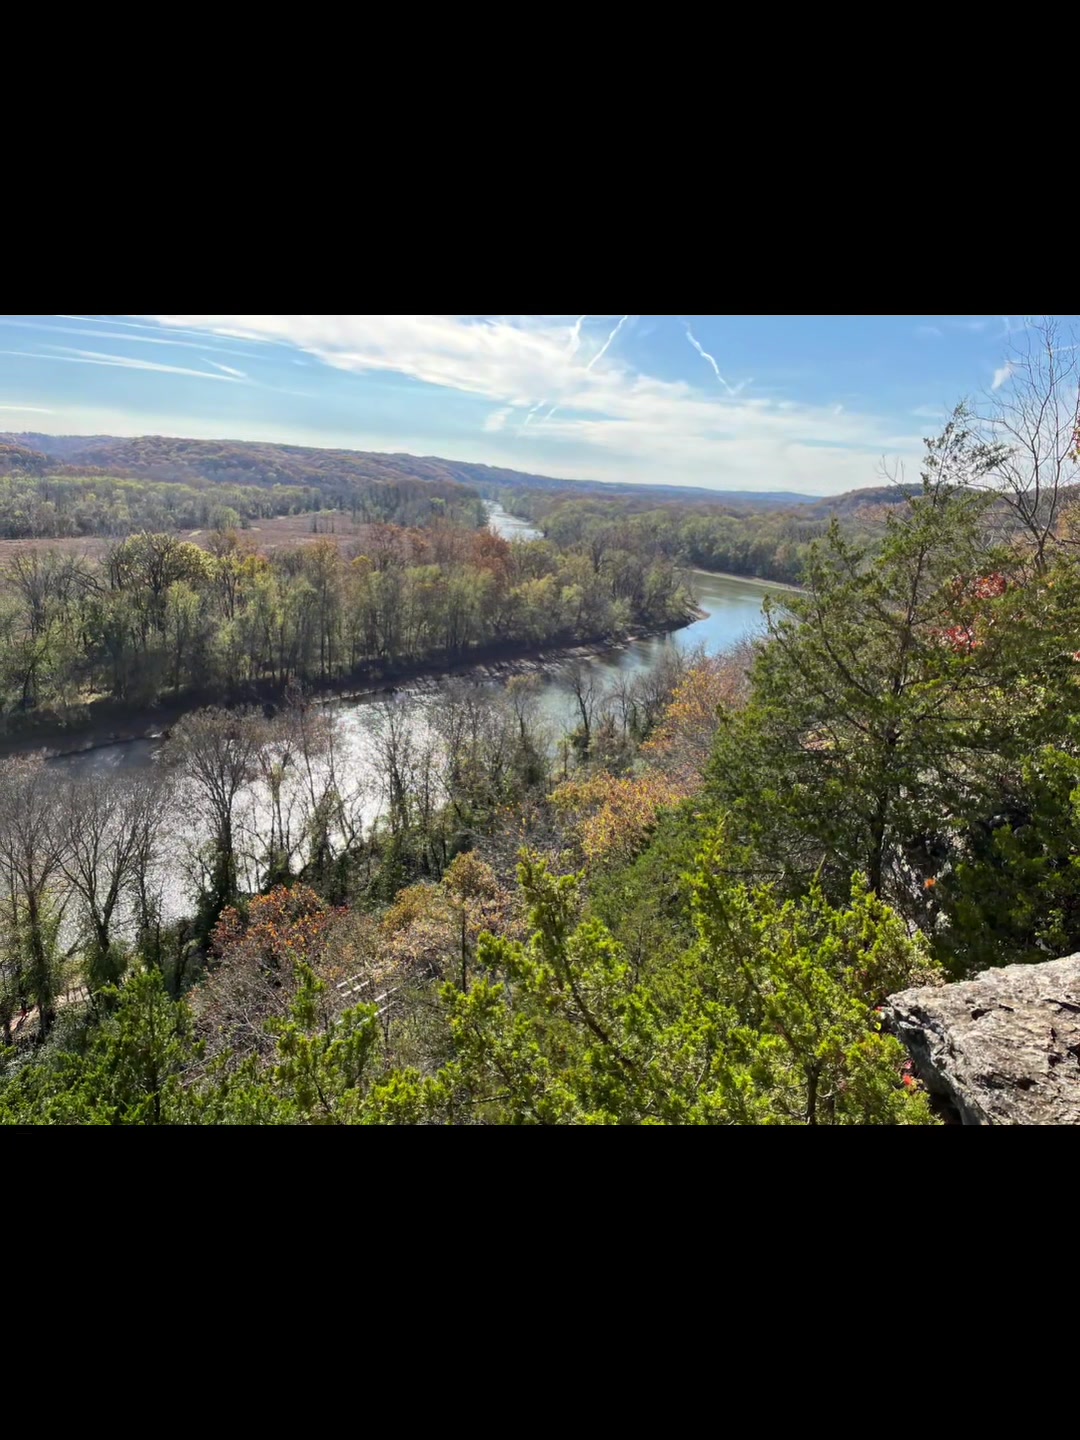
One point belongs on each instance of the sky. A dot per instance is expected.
(813, 404)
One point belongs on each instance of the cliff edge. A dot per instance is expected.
(1002, 1049)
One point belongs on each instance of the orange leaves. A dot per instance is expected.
(683, 739)
(989, 587)
(626, 810)
(427, 924)
(613, 814)
(286, 925)
(255, 976)
(491, 552)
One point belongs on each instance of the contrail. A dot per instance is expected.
(575, 335)
(531, 413)
(706, 356)
(606, 345)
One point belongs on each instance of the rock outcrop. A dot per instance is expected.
(1002, 1049)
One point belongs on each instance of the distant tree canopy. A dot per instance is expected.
(770, 544)
(160, 616)
(243, 462)
(118, 487)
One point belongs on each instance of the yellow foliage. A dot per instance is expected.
(683, 739)
(626, 810)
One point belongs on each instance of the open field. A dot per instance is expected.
(281, 531)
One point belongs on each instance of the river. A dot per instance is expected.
(733, 609)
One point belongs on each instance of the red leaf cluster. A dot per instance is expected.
(962, 637)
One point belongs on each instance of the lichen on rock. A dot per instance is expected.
(1002, 1049)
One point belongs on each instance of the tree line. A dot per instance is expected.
(337, 475)
(68, 506)
(768, 544)
(43, 499)
(159, 617)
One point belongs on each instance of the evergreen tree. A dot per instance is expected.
(886, 700)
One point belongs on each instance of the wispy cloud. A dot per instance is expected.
(1000, 376)
(126, 339)
(607, 343)
(27, 409)
(227, 369)
(706, 356)
(575, 335)
(605, 421)
(1013, 325)
(497, 420)
(187, 330)
(731, 389)
(929, 332)
(94, 357)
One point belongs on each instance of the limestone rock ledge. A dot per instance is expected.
(1002, 1049)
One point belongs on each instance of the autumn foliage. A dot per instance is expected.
(970, 634)
(682, 741)
(287, 925)
(614, 814)
(255, 961)
(430, 925)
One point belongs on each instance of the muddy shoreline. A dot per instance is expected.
(110, 723)
(749, 580)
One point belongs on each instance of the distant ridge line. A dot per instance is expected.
(143, 451)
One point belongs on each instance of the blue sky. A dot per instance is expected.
(805, 403)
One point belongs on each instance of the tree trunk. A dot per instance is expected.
(876, 863)
(811, 1095)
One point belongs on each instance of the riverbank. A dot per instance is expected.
(748, 580)
(108, 723)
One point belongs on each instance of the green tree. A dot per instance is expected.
(768, 1018)
(1012, 893)
(885, 699)
(130, 1071)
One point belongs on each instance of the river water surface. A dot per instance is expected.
(733, 609)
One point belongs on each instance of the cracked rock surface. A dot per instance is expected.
(1002, 1049)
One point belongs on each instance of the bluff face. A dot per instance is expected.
(1002, 1049)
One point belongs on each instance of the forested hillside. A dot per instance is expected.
(72, 486)
(252, 462)
(771, 544)
(55, 487)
